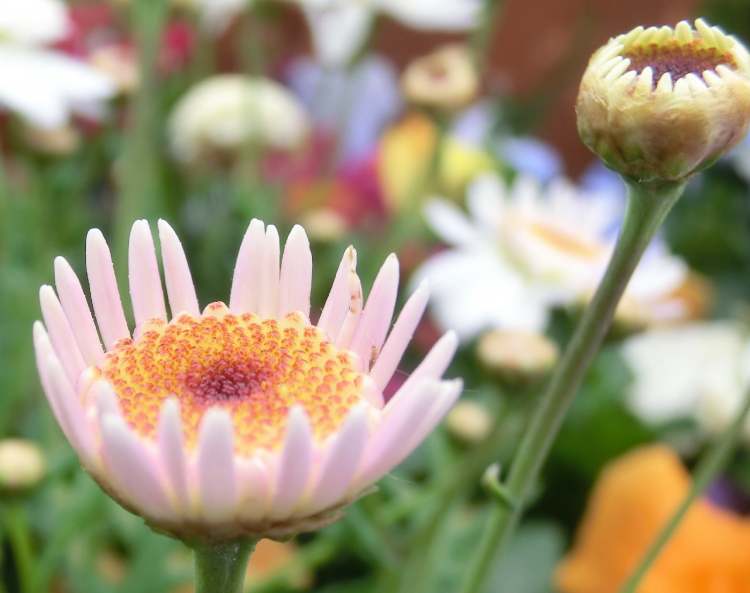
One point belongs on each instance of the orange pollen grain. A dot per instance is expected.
(677, 59)
(256, 368)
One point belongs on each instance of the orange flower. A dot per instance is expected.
(633, 499)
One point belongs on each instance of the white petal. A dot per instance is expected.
(444, 15)
(338, 31)
(104, 293)
(146, 291)
(218, 483)
(255, 486)
(179, 281)
(296, 274)
(294, 468)
(77, 311)
(450, 223)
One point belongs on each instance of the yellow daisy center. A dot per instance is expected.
(678, 59)
(256, 368)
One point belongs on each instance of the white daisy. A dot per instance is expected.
(523, 250)
(339, 27)
(698, 371)
(45, 87)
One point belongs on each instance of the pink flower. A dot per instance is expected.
(242, 420)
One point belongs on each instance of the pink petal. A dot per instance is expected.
(295, 463)
(179, 281)
(172, 450)
(146, 292)
(432, 367)
(255, 490)
(400, 336)
(337, 304)
(245, 295)
(342, 461)
(216, 474)
(132, 469)
(107, 401)
(44, 353)
(269, 275)
(104, 293)
(296, 274)
(396, 428)
(61, 334)
(353, 315)
(77, 311)
(378, 312)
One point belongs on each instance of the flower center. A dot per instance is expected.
(565, 242)
(255, 368)
(678, 59)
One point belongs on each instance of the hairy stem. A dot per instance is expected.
(648, 206)
(221, 567)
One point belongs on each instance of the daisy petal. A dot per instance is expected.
(104, 293)
(218, 487)
(61, 334)
(296, 274)
(146, 291)
(378, 312)
(172, 450)
(179, 281)
(400, 336)
(342, 461)
(77, 311)
(294, 468)
(337, 304)
(132, 469)
(247, 270)
(269, 283)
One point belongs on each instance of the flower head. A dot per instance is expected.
(22, 466)
(241, 420)
(227, 112)
(444, 79)
(662, 103)
(525, 249)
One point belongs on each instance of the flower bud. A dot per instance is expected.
(518, 357)
(662, 103)
(22, 466)
(469, 421)
(444, 79)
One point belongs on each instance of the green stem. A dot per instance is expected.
(221, 567)
(713, 462)
(140, 174)
(648, 206)
(17, 527)
(482, 37)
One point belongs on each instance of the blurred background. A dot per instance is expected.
(443, 131)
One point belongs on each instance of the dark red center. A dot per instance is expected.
(677, 59)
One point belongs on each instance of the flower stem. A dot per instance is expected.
(648, 206)
(221, 567)
(17, 526)
(713, 461)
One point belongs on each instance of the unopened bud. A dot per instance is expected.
(517, 356)
(469, 422)
(661, 103)
(22, 466)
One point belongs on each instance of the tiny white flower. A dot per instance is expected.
(226, 112)
(696, 371)
(523, 250)
(45, 87)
